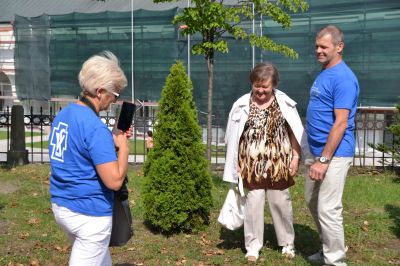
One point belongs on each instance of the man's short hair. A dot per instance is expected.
(334, 31)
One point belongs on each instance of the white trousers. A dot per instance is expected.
(324, 199)
(280, 206)
(90, 236)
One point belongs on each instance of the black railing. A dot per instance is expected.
(371, 128)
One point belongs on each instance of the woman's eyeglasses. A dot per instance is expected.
(115, 94)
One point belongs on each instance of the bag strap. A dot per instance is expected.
(240, 185)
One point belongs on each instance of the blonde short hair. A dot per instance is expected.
(102, 71)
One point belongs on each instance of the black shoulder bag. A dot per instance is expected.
(122, 218)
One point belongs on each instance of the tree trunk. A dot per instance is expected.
(210, 65)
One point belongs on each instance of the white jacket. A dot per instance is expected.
(237, 119)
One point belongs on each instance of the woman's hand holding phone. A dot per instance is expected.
(120, 138)
(129, 133)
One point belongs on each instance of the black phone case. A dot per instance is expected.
(126, 116)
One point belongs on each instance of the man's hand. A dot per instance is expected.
(317, 171)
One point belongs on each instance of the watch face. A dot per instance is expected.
(323, 159)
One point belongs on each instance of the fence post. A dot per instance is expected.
(18, 154)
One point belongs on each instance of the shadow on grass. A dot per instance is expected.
(231, 239)
(5, 166)
(124, 264)
(306, 240)
(156, 231)
(394, 213)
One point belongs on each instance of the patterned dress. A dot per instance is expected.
(265, 151)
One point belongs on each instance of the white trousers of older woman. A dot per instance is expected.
(280, 206)
(90, 236)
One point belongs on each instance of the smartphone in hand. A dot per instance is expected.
(126, 116)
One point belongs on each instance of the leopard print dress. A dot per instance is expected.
(265, 151)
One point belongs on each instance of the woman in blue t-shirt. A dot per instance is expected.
(85, 169)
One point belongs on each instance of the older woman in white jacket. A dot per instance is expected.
(264, 139)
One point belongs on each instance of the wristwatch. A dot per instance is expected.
(324, 160)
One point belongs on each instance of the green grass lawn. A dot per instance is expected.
(28, 233)
(139, 149)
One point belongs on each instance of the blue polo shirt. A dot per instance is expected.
(78, 142)
(334, 88)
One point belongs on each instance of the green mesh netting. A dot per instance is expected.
(371, 28)
(32, 77)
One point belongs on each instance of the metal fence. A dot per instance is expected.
(371, 128)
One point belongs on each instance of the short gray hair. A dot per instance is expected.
(334, 31)
(102, 71)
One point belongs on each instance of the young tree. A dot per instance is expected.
(177, 186)
(212, 19)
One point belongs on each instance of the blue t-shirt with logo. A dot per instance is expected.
(334, 88)
(78, 142)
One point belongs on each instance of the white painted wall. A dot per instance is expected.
(7, 80)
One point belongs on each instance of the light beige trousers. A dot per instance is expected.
(324, 199)
(280, 206)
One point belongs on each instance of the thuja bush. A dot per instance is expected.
(177, 186)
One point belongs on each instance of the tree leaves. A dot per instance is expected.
(267, 44)
(213, 19)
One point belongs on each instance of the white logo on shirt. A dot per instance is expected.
(59, 141)
(314, 90)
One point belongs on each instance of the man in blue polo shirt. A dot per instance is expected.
(330, 130)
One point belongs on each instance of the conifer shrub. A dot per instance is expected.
(177, 186)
